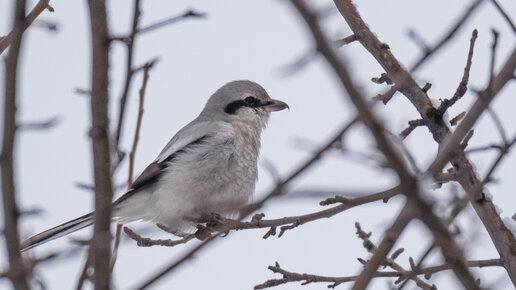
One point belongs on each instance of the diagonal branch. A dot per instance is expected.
(34, 13)
(505, 15)
(409, 183)
(502, 237)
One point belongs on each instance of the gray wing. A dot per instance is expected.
(155, 170)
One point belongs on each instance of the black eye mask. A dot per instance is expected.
(250, 102)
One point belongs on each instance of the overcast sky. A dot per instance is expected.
(251, 40)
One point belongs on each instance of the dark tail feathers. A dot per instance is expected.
(58, 231)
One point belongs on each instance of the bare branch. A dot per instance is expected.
(505, 15)
(413, 124)
(34, 13)
(451, 33)
(463, 86)
(146, 242)
(346, 40)
(431, 51)
(129, 41)
(187, 14)
(390, 237)
(41, 125)
(503, 152)
(500, 234)
(456, 119)
(408, 182)
(17, 268)
(100, 246)
(498, 124)
(223, 225)
(147, 66)
(371, 248)
(449, 146)
(309, 278)
(384, 78)
(129, 72)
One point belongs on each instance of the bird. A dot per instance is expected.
(208, 167)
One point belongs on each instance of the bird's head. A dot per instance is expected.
(242, 101)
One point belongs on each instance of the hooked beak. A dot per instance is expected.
(275, 105)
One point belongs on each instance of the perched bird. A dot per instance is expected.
(209, 166)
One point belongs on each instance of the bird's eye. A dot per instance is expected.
(250, 100)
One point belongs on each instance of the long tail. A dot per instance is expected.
(58, 231)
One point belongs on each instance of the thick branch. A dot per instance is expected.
(19, 278)
(502, 237)
(409, 183)
(99, 134)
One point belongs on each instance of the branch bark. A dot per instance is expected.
(310, 278)
(501, 236)
(99, 134)
(408, 181)
(34, 13)
(11, 211)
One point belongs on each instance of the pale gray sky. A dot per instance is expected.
(250, 40)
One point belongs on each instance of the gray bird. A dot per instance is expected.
(209, 166)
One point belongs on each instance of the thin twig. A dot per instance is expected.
(503, 152)
(432, 50)
(468, 12)
(413, 124)
(505, 15)
(129, 41)
(146, 242)
(493, 57)
(84, 273)
(187, 14)
(498, 124)
(346, 40)
(463, 86)
(132, 154)
(309, 278)
(390, 237)
(390, 261)
(41, 125)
